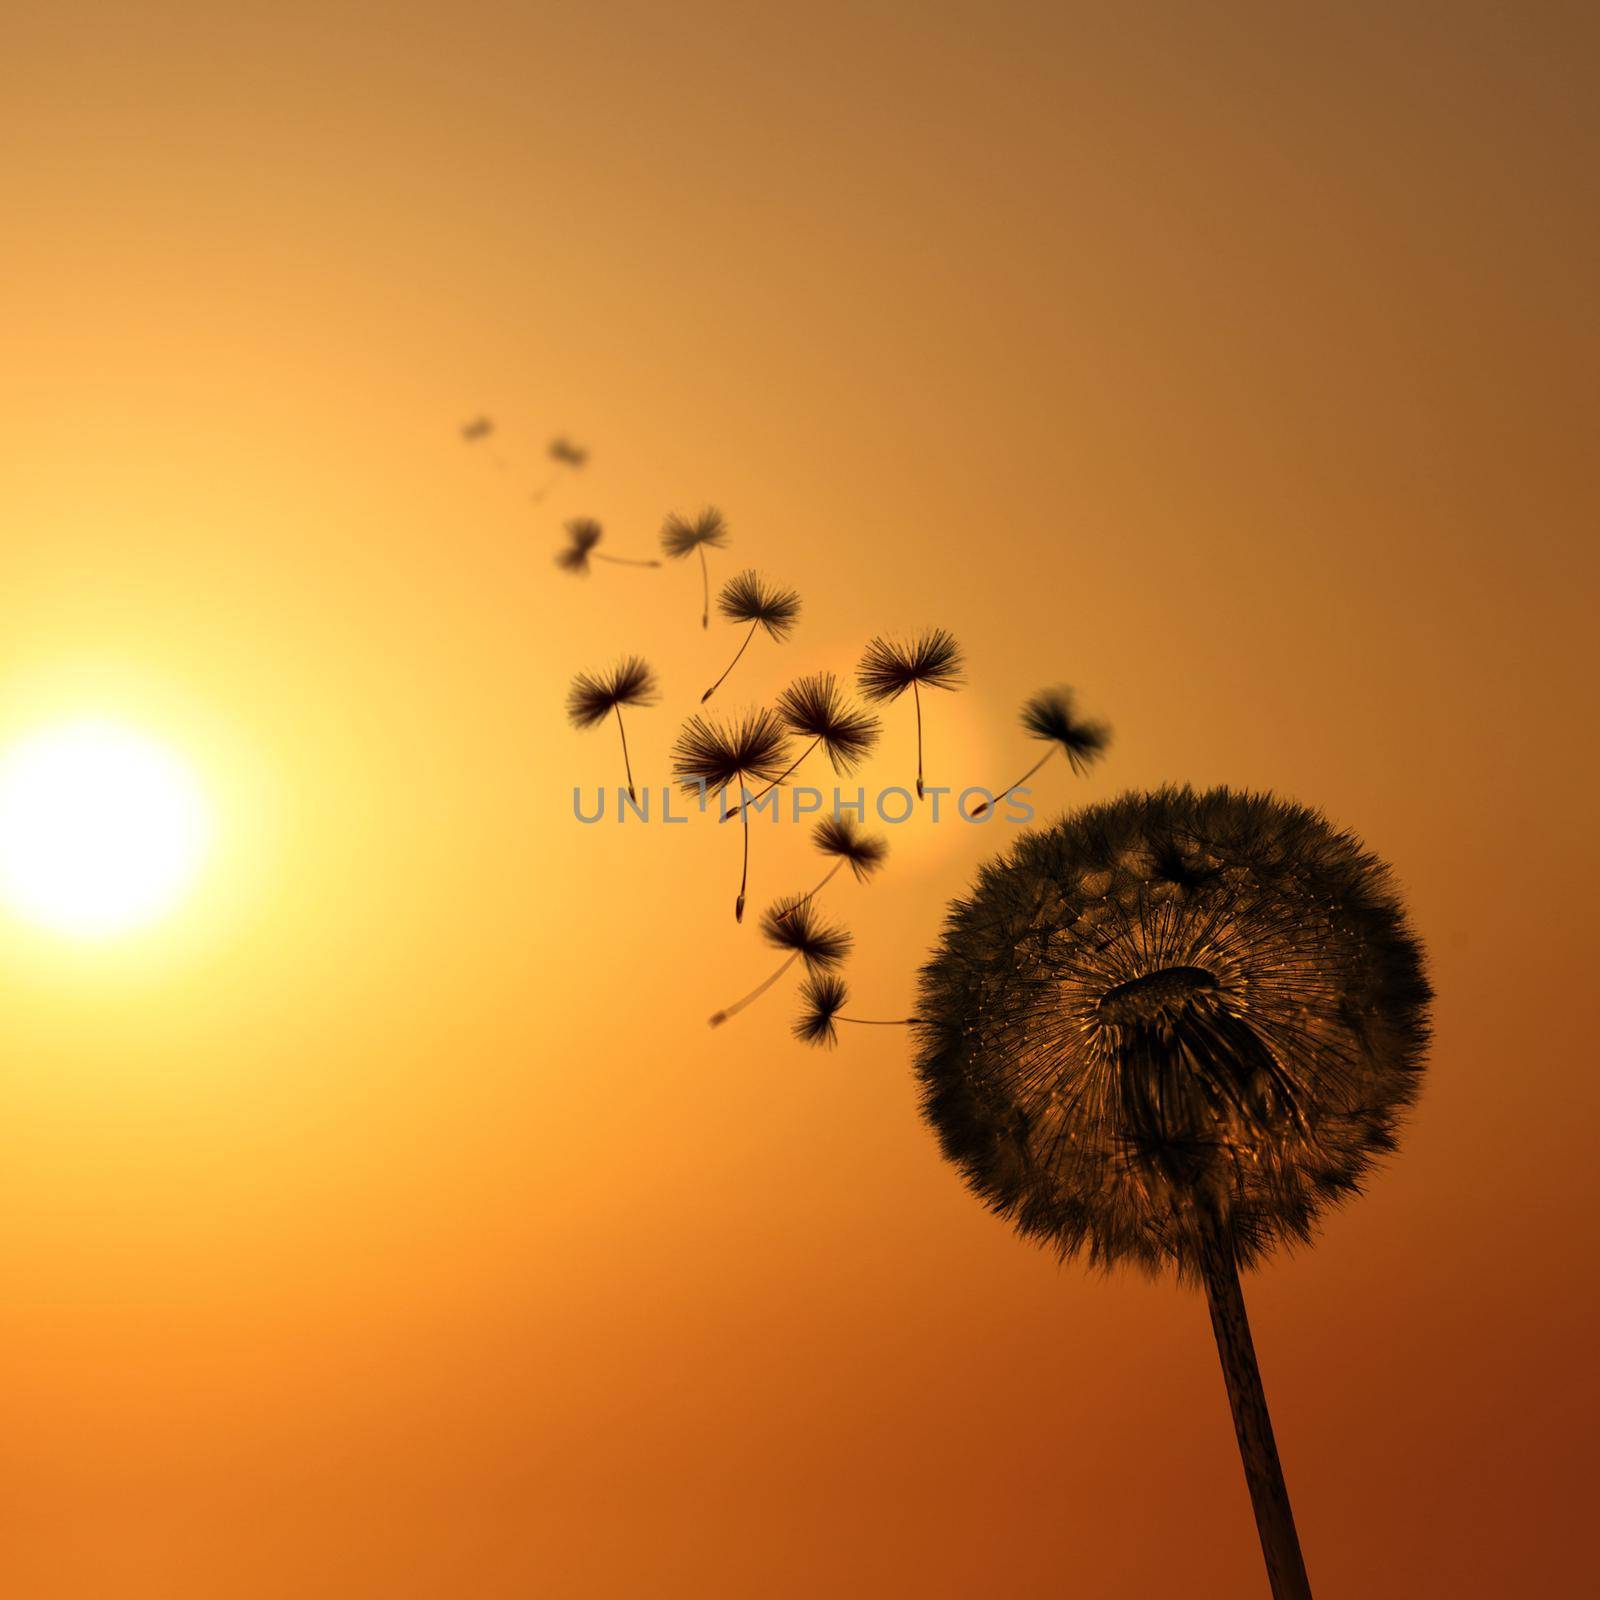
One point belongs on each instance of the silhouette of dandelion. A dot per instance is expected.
(707, 758)
(583, 534)
(888, 668)
(814, 708)
(1169, 1031)
(839, 837)
(822, 1002)
(1049, 715)
(681, 536)
(591, 699)
(787, 925)
(567, 457)
(747, 598)
(479, 430)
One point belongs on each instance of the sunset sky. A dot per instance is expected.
(385, 1221)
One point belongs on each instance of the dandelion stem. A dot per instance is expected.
(751, 800)
(978, 811)
(549, 484)
(915, 695)
(744, 876)
(732, 664)
(880, 1022)
(788, 911)
(625, 561)
(626, 763)
(705, 588)
(719, 1017)
(1252, 1423)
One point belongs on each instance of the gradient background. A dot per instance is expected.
(388, 1223)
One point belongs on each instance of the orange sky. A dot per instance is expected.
(387, 1222)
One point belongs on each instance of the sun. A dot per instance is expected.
(101, 828)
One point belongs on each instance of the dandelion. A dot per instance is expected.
(814, 708)
(591, 699)
(1050, 716)
(707, 758)
(583, 534)
(747, 598)
(567, 457)
(822, 1002)
(787, 925)
(888, 668)
(840, 838)
(475, 432)
(681, 535)
(1169, 1031)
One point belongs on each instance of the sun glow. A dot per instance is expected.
(101, 828)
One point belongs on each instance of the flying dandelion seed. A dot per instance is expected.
(888, 668)
(1169, 1032)
(591, 699)
(814, 708)
(583, 534)
(476, 432)
(567, 457)
(788, 925)
(841, 838)
(822, 1002)
(1050, 716)
(682, 536)
(747, 598)
(707, 758)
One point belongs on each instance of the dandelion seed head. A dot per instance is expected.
(841, 836)
(814, 707)
(822, 997)
(682, 536)
(1174, 1012)
(593, 696)
(708, 756)
(1051, 715)
(889, 667)
(583, 534)
(793, 924)
(748, 597)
